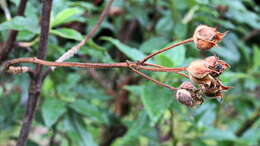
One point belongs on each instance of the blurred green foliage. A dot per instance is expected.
(77, 110)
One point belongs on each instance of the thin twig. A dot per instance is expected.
(91, 65)
(165, 49)
(9, 44)
(36, 80)
(76, 48)
(151, 79)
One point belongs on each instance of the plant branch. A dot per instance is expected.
(9, 44)
(36, 80)
(165, 49)
(151, 79)
(75, 49)
(34, 60)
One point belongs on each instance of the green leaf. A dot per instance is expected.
(21, 24)
(79, 133)
(230, 49)
(176, 55)
(256, 56)
(91, 111)
(164, 61)
(164, 25)
(67, 33)
(52, 109)
(138, 127)
(132, 53)
(65, 16)
(156, 100)
(153, 44)
(217, 134)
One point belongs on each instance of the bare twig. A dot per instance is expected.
(36, 80)
(149, 78)
(92, 65)
(165, 49)
(8, 45)
(75, 49)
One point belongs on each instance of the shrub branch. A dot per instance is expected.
(36, 80)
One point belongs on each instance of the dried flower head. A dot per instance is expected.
(206, 37)
(184, 97)
(199, 72)
(206, 72)
(216, 65)
(215, 89)
(189, 95)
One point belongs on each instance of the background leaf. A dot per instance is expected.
(156, 101)
(132, 53)
(65, 16)
(52, 109)
(67, 33)
(21, 24)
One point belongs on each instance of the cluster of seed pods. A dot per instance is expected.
(205, 72)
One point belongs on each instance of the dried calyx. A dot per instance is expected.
(206, 73)
(189, 95)
(206, 37)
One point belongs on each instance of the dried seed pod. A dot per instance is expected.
(189, 95)
(188, 86)
(216, 65)
(206, 37)
(215, 89)
(184, 97)
(199, 72)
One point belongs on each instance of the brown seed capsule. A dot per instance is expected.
(215, 89)
(188, 86)
(199, 72)
(216, 65)
(189, 95)
(206, 37)
(184, 97)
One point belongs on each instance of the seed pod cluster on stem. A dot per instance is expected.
(205, 73)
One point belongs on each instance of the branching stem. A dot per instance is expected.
(34, 60)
